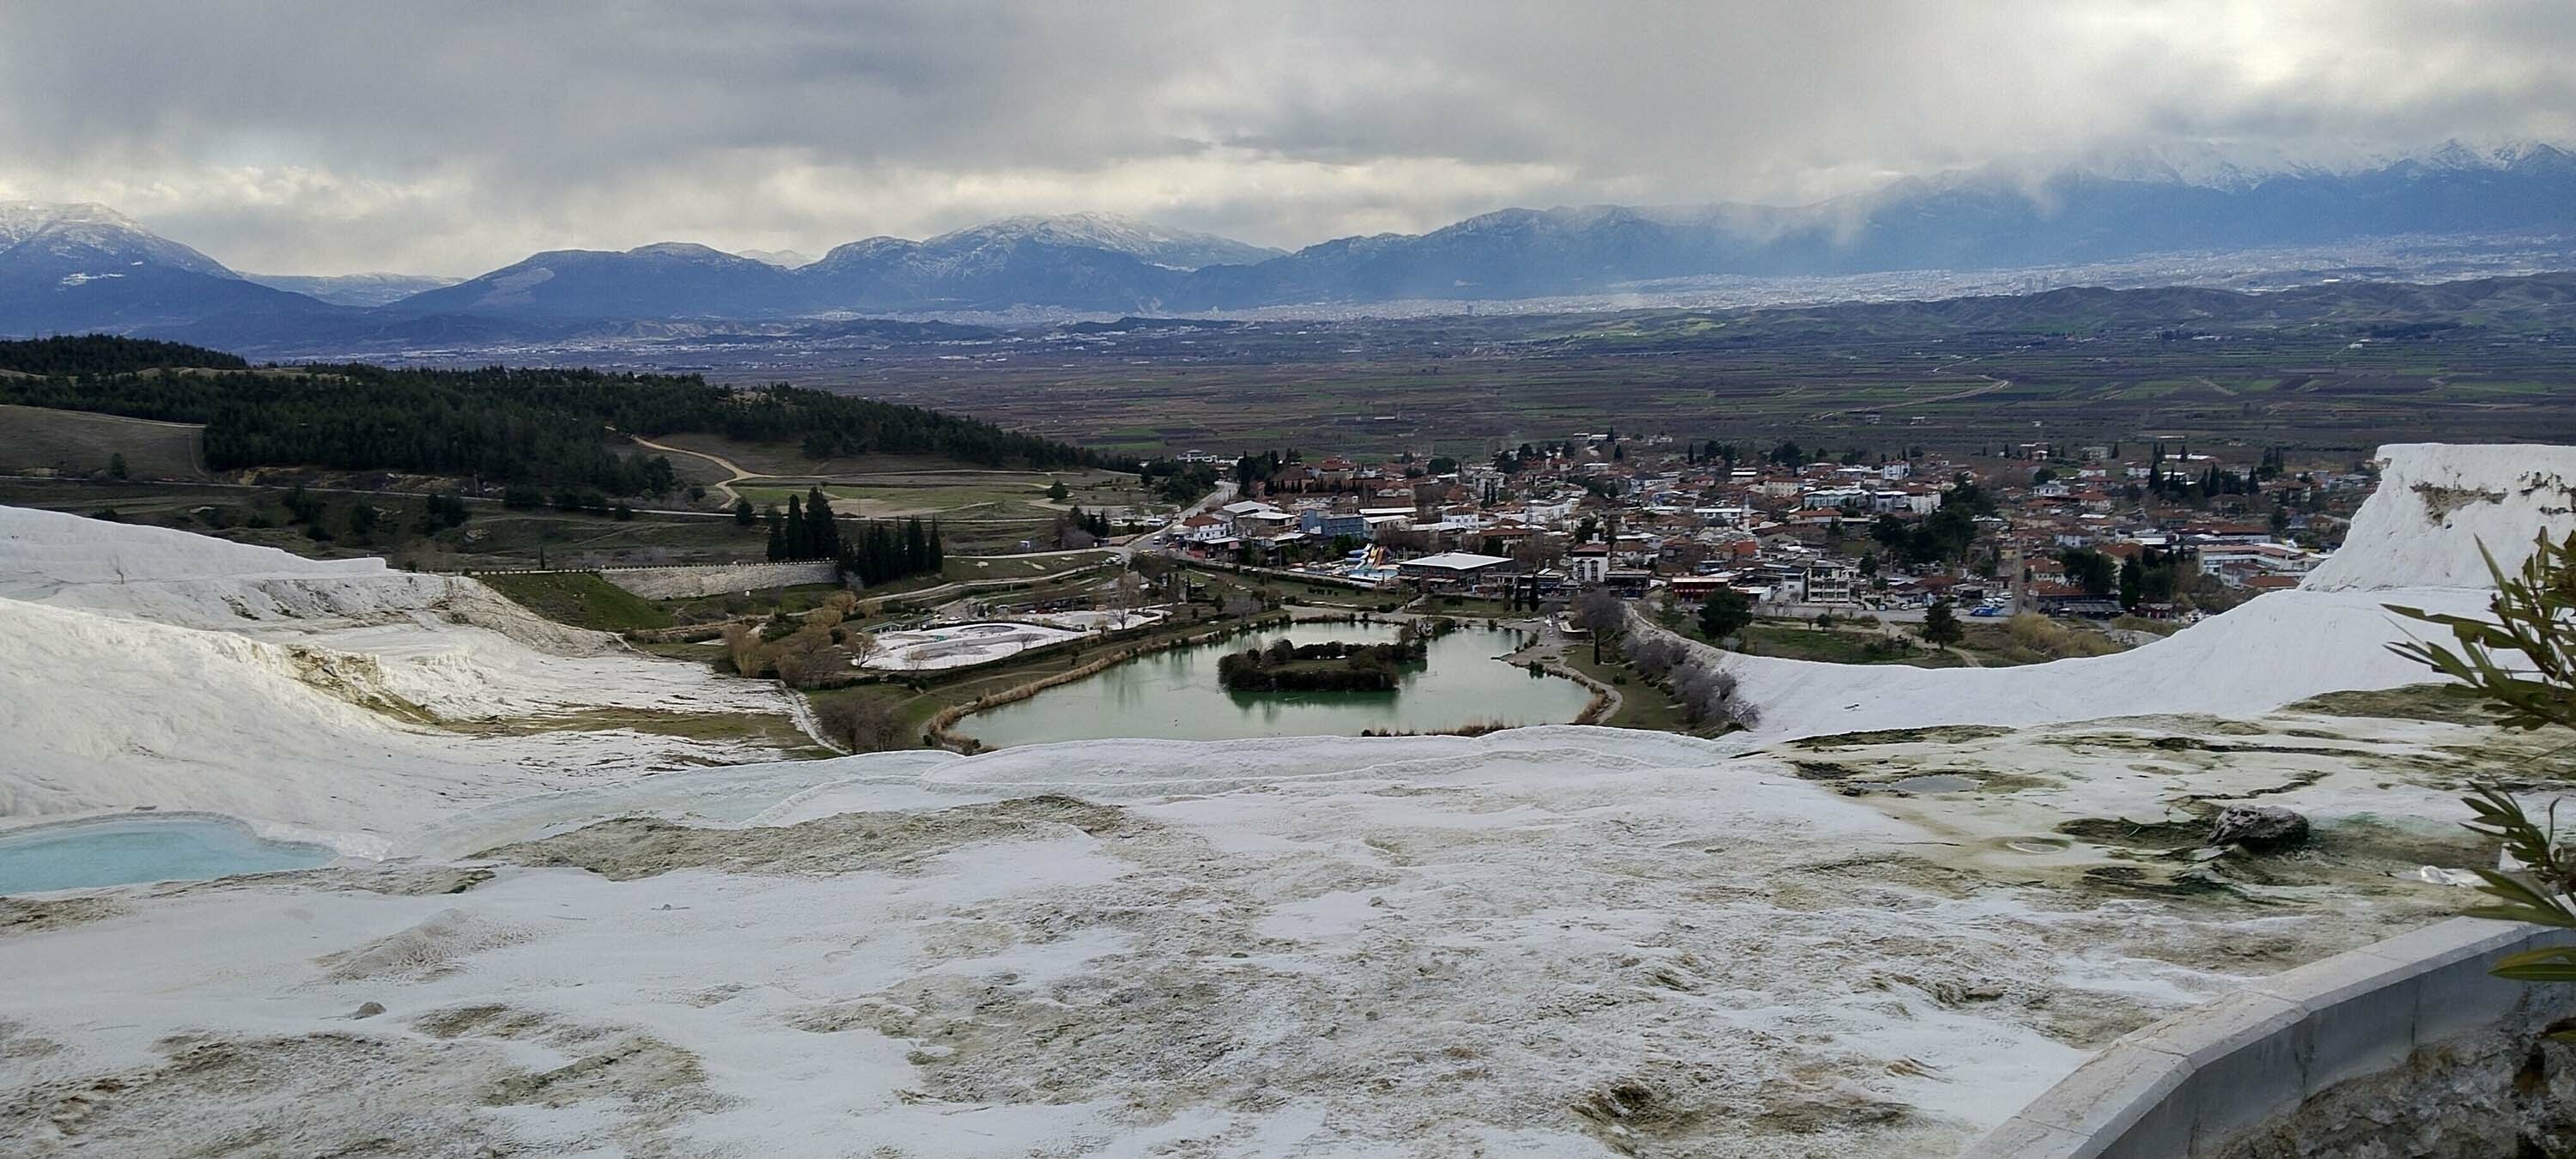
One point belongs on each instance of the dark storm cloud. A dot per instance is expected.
(453, 137)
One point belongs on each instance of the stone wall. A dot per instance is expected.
(2403, 1047)
(669, 583)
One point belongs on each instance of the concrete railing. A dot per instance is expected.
(2205, 1080)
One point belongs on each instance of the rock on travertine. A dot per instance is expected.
(2259, 827)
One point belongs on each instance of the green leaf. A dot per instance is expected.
(2551, 955)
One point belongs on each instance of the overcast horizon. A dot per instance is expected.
(442, 138)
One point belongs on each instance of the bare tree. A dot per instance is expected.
(862, 646)
(1708, 692)
(1129, 597)
(862, 724)
(1599, 611)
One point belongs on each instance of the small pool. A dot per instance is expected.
(123, 851)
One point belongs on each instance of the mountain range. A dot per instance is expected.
(85, 267)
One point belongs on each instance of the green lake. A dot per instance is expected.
(1174, 695)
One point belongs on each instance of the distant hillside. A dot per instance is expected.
(666, 280)
(2540, 303)
(547, 426)
(79, 354)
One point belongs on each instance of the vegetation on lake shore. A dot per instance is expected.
(1332, 666)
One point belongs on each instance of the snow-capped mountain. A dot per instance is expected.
(1178, 249)
(89, 239)
(1083, 261)
(989, 267)
(86, 267)
(352, 289)
(2242, 165)
(1992, 218)
(67, 267)
(783, 259)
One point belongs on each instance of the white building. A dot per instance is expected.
(1588, 564)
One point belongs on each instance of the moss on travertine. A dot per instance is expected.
(2442, 703)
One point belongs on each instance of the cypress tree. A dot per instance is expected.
(823, 535)
(797, 539)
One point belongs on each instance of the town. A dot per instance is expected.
(2156, 531)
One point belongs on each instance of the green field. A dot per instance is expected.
(494, 537)
(580, 599)
(1641, 705)
(79, 443)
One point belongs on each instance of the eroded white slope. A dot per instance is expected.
(175, 577)
(2280, 648)
(2436, 503)
(142, 666)
(2414, 544)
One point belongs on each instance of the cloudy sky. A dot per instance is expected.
(318, 136)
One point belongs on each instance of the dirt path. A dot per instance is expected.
(1892, 631)
(731, 496)
(1549, 651)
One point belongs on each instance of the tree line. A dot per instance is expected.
(881, 550)
(75, 355)
(541, 426)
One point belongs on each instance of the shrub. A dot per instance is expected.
(742, 646)
(2050, 640)
(806, 655)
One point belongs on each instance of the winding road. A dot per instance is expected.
(731, 496)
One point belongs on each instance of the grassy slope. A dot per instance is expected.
(75, 442)
(1802, 643)
(1641, 705)
(581, 600)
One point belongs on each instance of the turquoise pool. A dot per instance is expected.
(123, 851)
